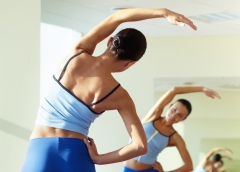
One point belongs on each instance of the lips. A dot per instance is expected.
(171, 118)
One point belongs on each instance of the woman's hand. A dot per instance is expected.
(210, 93)
(92, 149)
(178, 19)
(157, 166)
(228, 151)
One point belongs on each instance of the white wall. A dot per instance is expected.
(19, 73)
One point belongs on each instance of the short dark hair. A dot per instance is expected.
(217, 157)
(128, 44)
(186, 103)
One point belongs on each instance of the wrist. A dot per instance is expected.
(97, 159)
(165, 12)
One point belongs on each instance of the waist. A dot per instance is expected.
(40, 131)
(136, 165)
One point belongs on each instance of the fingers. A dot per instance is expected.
(217, 95)
(91, 141)
(182, 20)
(87, 143)
(180, 24)
(229, 151)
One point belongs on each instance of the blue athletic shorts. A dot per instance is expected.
(56, 154)
(126, 169)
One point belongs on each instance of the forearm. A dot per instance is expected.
(137, 14)
(214, 150)
(125, 153)
(128, 15)
(187, 89)
(184, 168)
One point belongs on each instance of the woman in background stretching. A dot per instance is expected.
(161, 134)
(213, 160)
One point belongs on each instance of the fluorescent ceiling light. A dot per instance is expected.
(216, 17)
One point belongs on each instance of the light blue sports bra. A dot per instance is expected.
(62, 109)
(199, 168)
(156, 143)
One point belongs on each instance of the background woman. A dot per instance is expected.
(160, 132)
(213, 160)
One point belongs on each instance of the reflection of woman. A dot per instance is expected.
(83, 88)
(212, 161)
(160, 132)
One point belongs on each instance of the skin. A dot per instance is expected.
(211, 165)
(176, 113)
(90, 78)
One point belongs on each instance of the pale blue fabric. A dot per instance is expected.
(156, 143)
(199, 168)
(61, 109)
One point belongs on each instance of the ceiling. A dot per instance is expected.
(82, 15)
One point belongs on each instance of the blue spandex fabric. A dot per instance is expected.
(57, 155)
(126, 169)
(156, 143)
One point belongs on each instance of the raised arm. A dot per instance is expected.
(215, 150)
(108, 26)
(137, 147)
(176, 140)
(226, 157)
(157, 109)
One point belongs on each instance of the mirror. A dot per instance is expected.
(212, 123)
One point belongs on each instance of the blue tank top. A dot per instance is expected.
(60, 108)
(199, 168)
(156, 143)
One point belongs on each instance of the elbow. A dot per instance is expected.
(144, 150)
(141, 149)
(189, 167)
(174, 89)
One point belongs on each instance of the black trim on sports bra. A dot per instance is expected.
(59, 83)
(65, 66)
(88, 105)
(105, 96)
(159, 131)
(173, 133)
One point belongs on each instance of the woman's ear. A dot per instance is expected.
(130, 63)
(109, 41)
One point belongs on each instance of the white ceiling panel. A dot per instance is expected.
(83, 15)
(224, 5)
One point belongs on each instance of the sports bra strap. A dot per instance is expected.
(105, 96)
(173, 133)
(61, 75)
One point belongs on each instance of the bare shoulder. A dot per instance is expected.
(176, 140)
(80, 58)
(124, 99)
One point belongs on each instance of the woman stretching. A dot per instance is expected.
(161, 134)
(212, 162)
(82, 88)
